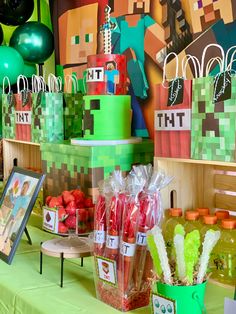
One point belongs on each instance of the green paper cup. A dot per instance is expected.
(189, 299)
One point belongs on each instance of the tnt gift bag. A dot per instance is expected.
(47, 117)
(8, 111)
(173, 114)
(73, 111)
(23, 110)
(214, 111)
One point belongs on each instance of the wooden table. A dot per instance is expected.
(71, 247)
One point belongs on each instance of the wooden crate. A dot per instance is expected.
(22, 154)
(199, 183)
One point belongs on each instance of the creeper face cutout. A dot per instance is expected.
(89, 117)
(79, 34)
(213, 123)
(204, 13)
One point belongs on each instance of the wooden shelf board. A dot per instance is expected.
(193, 161)
(21, 142)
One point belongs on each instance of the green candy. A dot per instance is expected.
(191, 253)
(154, 253)
(179, 229)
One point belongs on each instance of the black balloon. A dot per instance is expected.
(1, 34)
(15, 12)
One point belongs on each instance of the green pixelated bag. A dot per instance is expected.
(73, 102)
(47, 114)
(8, 112)
(213, 133)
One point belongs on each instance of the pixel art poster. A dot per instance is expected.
(155, 22)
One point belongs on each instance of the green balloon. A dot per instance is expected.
(29, 69)
(11, 64)
(45, 16)
(34, 41)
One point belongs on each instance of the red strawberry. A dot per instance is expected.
(71, 208)
(91, 213)
(54, 202)
(88, 202)
(80, 205)
(79, 196)
(62, 228)
(48, 199)
(67, 197)
(70, 222)
(62, 215)
(81, 227)
(82, 215)
(60, 199)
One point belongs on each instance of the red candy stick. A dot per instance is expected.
(100, 226)
(128, 245)
(113, 229)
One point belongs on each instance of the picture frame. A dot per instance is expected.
(16, 203)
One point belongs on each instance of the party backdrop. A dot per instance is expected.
(146, 31)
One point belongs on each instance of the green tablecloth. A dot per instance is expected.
(24, 291)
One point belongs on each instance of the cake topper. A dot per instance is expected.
(106, 29)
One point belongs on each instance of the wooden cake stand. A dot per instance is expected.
(71, 247)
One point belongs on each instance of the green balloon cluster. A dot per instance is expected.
(30, 43)
(29, 69)
(11, 64)
(34, 41)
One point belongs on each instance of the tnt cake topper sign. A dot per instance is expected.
(106, 29)
(107, 72)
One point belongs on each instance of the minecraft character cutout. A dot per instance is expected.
(205, 13)
(136, 34)
(111, 77)
(213, 21)
(78, 38)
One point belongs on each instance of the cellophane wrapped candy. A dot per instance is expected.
(126, 209)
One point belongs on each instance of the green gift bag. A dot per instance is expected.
(8, 112)
(47, 114)
(213, 133)
(73, 102)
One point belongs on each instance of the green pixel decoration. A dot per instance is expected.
(47, 117)
(213, 124)
(69, 166)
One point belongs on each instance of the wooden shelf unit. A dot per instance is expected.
(22, 154)
(198, 183)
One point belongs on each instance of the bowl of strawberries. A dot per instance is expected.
(70, 212)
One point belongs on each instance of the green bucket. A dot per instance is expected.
(189, 299)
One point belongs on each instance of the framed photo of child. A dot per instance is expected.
(16, 204)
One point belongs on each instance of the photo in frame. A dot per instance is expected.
(16, 204)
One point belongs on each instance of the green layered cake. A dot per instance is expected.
(107, 117)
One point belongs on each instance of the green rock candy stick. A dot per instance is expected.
(154, 254)
(191, 253)
(179, 233)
